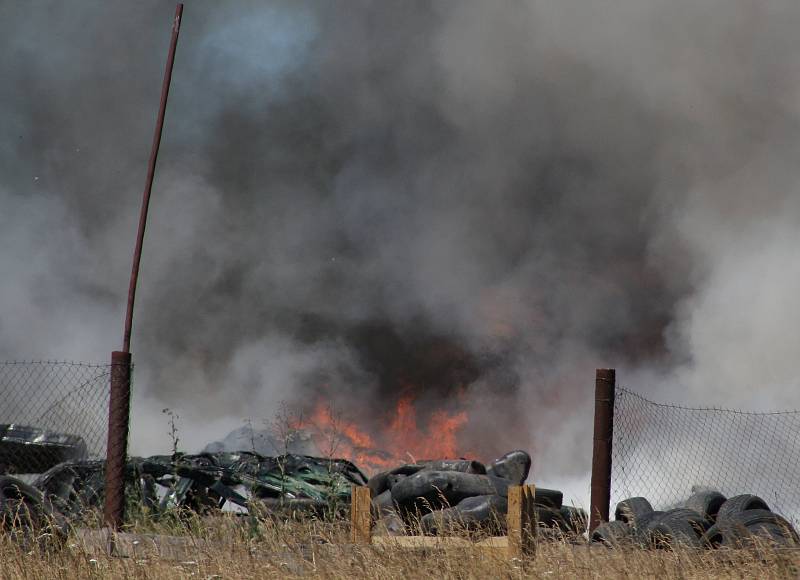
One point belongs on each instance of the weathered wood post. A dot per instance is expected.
(604, 390)
(361, 514)
(521, 521)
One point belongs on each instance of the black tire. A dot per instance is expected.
(384, 480)
(752, 519)
(551, 498)
(575, 518)
(674, 530)
(550, 518)
(482, 512)
(738, 528)
(641, 527)
(631, 509)
(383, 503)
(613, 534)
(431, 490)
(774, 534)
(714, 537)
(20, 503)
(379, 483)
(755, 516)
(741, 503)
(513, 466)
(393, 479)
(706, 503)
(407, 469)
(462, 465)
(698, 521)
(24, 506)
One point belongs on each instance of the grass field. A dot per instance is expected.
(245, 547)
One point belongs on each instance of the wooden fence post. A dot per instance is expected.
(521, 521)
(361, 514)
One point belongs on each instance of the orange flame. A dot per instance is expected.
(401, 441)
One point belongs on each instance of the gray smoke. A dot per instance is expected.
(485, 199)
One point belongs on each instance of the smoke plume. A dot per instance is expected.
(483, 200)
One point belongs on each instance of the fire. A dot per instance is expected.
(402, 440)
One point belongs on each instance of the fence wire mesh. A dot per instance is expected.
(51, 412)
(666, 452)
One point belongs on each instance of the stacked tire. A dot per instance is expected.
(447, 496)
(706, 520)
(28, 517)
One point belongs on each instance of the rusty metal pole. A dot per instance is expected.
(120, 395)
(151, 170)
(118, 414)
(604, 389)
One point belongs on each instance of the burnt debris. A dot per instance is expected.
(205, 482)
(27, 449)
(433, 496)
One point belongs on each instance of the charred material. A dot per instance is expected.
(207, 481)
(28, 449)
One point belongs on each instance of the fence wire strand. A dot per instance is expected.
(667, 452)
(51, 412)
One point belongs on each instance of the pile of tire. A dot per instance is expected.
(706, 520)
(28, 516)
(442, 496)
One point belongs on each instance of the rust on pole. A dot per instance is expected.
(604, 389)
(118, 413)
(148, 186)
(120, 395)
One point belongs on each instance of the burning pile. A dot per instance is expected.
(402, 434)
(438, 496)
(415, 394)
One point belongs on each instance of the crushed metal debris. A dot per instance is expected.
(206, 481)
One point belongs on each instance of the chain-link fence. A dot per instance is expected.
(666, 452)
(51, 412)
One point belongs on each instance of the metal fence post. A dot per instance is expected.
(151, 170)
(119, 406)
(120, 400)
(604, 389)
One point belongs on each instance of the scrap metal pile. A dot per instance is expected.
(706, 520)
(207, 481)
(74, 490)
(436, 495)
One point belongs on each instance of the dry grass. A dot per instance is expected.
(245, 547)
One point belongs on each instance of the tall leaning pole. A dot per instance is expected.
(120, 395)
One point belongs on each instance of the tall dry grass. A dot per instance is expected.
(260, 547)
